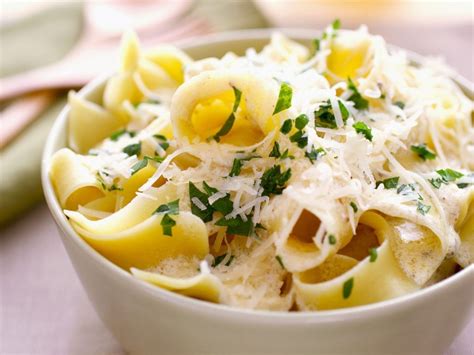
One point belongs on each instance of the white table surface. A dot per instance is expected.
(43, 309)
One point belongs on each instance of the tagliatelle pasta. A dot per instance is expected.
(297, 178)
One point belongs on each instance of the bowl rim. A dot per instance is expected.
(387, 306)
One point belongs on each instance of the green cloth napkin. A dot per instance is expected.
(44, 38)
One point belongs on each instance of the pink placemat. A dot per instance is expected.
(43, 309)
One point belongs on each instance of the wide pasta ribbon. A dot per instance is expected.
(202, 104)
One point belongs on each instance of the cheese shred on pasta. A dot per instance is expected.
(294, 178)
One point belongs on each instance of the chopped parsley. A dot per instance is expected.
(400, 104)
(354, 207)
(390, 183)
(336, 24)
(423, 152)
(194, 192)
(139, 165)
(286, 126)
(274, 180)
(373, 254)
(301, 121)
(116, 135)
(163, 141)
(284, 98)
(299, 139)
(275, 153)
(237, 225)
(133, 149)
(332, 239)
(324, 116)
(280, 261)
(347, 288)
(449, 174)
(422, 208)
(361, 128)
(359, 102)
(169, 208)
(167, 223)
(236, 167)
(230, 120)
(315, 154)
(218, 259)
(286, 154)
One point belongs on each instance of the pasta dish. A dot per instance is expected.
(294, 178)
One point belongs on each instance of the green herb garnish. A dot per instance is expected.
(449, 174)
(299, 139)
(286, 126)
(347, 288)
(361, 128)
(220, 258)
(116, 135)
(354, 207)
(324, 116)
(373, 254)
(205, 215)
(280, 261)
(275, 153)
(237, 225)
(400, 104)
(422, 208)
(167, 223)
(390, 183)
(332, 239)
(236, 167)
(274, 180)
(284, 98)
(359, 102)
(139, 165)
(423, 152)
(133, 149)
(230, 120)
(315, 154)
(301, 121)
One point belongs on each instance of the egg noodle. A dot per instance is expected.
(294, 178)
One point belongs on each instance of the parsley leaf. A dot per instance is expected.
(236, 167)
(167, 224)
(361, 128)
(347, 288)
(299, 139)
(422, 208)
(336, 24)
(274, 180)
(436, 182)
(332, 239)
(399, 104)
(230, 120)
(286, 126)
(169, 208)
(218, 259)
(373, 254)
(301, 121)
(275, 153)
(315, 154)
(354, 207)
(163, 141)
(116, 135)
(280, 261)
(359, 102)
(449, 174)
(284, 98)
(133, 149)
(237, 225)
(139, 165)
(324, 116)
(390, 183)
(194, 192)
(423, 152)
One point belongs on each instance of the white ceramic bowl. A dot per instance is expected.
(148, 320)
